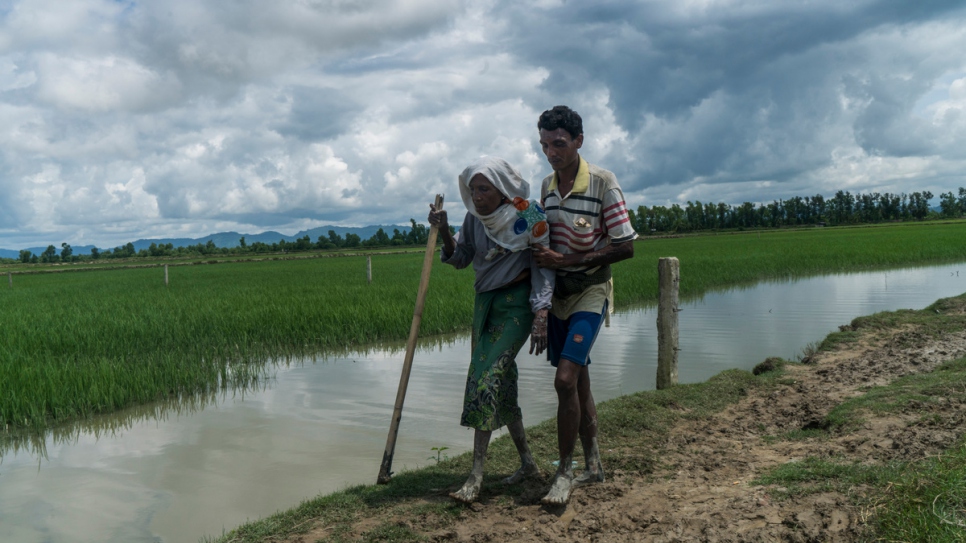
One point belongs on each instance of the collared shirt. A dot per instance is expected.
(590, 217)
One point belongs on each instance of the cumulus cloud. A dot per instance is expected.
(122, 120)
(97, 85)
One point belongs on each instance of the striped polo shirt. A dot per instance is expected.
(592, 216)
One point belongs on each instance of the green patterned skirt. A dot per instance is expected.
(501, 325)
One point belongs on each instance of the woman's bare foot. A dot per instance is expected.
(470, 490)
(527, 469)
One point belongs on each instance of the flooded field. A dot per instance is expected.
(178, 471)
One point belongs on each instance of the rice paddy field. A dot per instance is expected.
(80, 343)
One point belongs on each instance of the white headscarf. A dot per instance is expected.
(503, 226)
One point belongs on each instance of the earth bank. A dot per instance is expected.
(695, 480)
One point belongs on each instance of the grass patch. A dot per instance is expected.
(926, 502)
(817, 475)
(908, 501)
(915, 393)
(833, 340)
(391, 533)
(800, 434)
(921, 501)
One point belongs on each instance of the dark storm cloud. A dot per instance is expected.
(656, 61)
(318, 113)
(773, 73)
(214, 47)
(190, 115)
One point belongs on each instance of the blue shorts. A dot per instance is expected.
(573, 337)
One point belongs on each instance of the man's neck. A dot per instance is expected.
(567, 177)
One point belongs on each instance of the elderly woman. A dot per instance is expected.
(512, 299)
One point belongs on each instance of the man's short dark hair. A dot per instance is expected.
(561, 117)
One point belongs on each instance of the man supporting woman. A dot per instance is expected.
(512, 301)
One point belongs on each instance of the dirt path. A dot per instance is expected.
(706, 496)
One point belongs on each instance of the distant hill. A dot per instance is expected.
(228, 239)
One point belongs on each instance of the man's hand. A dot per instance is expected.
(538, 334)
(609, 254)
(547, 258)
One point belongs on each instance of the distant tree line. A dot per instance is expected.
(417, 235)
(842, 209)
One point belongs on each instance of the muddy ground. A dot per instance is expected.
(707, 496)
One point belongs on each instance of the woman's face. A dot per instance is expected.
(486, 199)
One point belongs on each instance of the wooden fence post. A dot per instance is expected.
(165, 275)
(10, 278)
(669, 276)
(368, 269)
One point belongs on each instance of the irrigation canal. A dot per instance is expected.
(178, 471)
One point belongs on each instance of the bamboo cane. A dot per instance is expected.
(385, 471)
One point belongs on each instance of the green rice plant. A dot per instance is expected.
(714, 261)
(84, 343)
(80, 343)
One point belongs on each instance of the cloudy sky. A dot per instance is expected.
(179, 118)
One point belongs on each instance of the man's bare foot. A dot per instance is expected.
(470, 490)
(593, 474)
(528, 469)
(559, 490)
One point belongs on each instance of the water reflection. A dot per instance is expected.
(391, 348)
(176, 471)
(113, 425)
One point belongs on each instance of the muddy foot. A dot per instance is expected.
(559, 490)
(525, 471)
(470, 490)
(590, 476)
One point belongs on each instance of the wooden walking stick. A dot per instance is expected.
(385, 471)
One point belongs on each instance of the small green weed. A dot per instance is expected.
(439, 451)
